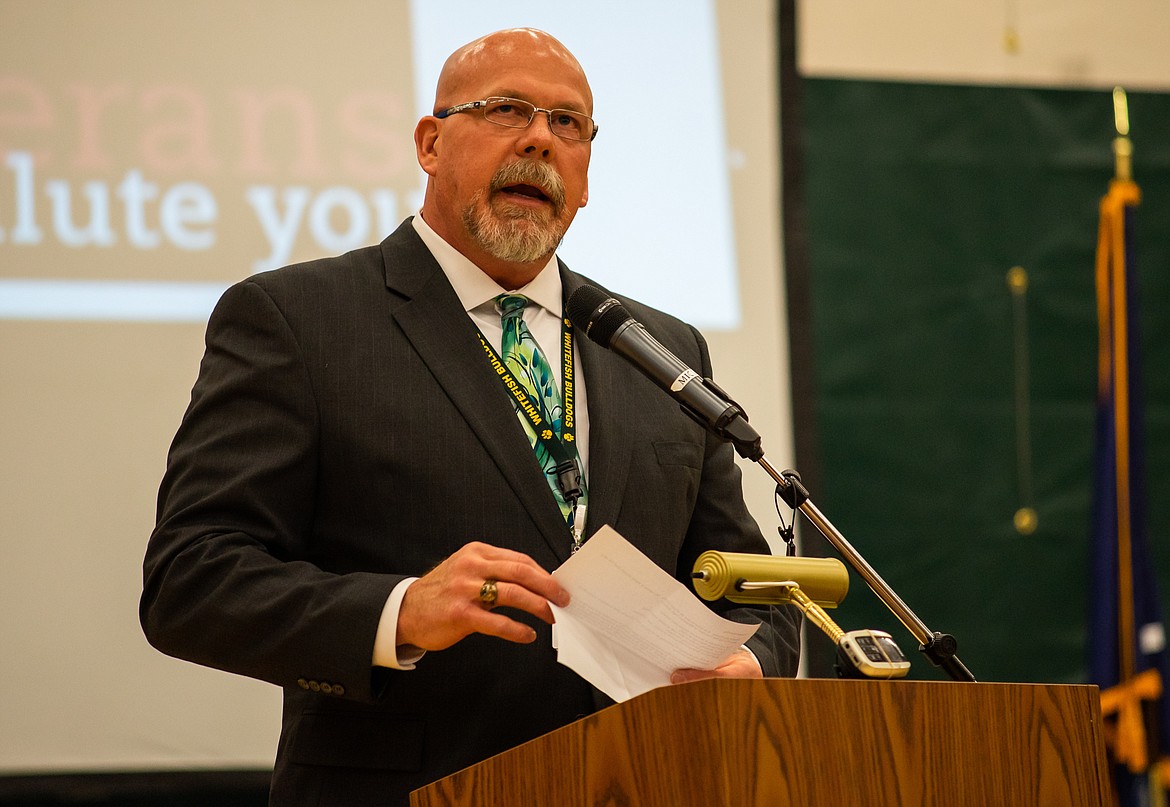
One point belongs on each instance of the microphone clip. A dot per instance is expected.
(794, 494)
(569, 480)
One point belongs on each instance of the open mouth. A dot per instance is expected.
(530, 191)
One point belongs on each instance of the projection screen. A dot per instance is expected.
(151, 154)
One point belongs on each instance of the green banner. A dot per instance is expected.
(946, 402)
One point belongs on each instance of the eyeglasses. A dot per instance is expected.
(517, 114)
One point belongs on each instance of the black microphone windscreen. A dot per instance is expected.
(595, 312)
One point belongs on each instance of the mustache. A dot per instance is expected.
(532, 172)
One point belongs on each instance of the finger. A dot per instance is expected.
(740, 664)
(535, 579)
(516, 596)
(685, 676)
(494, 624)
(480, 619)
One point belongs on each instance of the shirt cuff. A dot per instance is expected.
(386, 652)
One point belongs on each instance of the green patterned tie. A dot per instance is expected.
(524, 358)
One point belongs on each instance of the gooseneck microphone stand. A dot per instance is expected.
(939, 648)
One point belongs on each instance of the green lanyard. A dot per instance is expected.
(569, 477)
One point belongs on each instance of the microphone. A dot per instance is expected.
(607, 322)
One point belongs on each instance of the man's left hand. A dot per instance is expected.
(740, 664)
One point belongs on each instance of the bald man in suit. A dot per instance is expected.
(353, 509)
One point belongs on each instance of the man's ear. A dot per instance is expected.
(426, 144)
(585, 194)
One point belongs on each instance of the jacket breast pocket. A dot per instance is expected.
(677, 452)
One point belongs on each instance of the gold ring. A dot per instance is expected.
(488, 593)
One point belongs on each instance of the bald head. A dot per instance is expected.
(514, 48)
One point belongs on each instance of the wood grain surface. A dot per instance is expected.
(808, 743)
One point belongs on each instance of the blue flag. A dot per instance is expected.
(1127, 640)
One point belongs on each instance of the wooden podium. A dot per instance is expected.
(807, 743)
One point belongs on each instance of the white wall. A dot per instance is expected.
(1054, 43)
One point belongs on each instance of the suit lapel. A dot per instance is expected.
(445, 339)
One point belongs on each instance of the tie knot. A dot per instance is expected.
(511, 305)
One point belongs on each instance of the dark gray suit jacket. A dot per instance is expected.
(346, 431)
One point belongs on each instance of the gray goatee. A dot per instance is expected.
(513, 233)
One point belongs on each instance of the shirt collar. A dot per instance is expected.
(475, 289)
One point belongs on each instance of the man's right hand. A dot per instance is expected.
(443, 606)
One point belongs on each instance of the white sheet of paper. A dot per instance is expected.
(629, 624)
